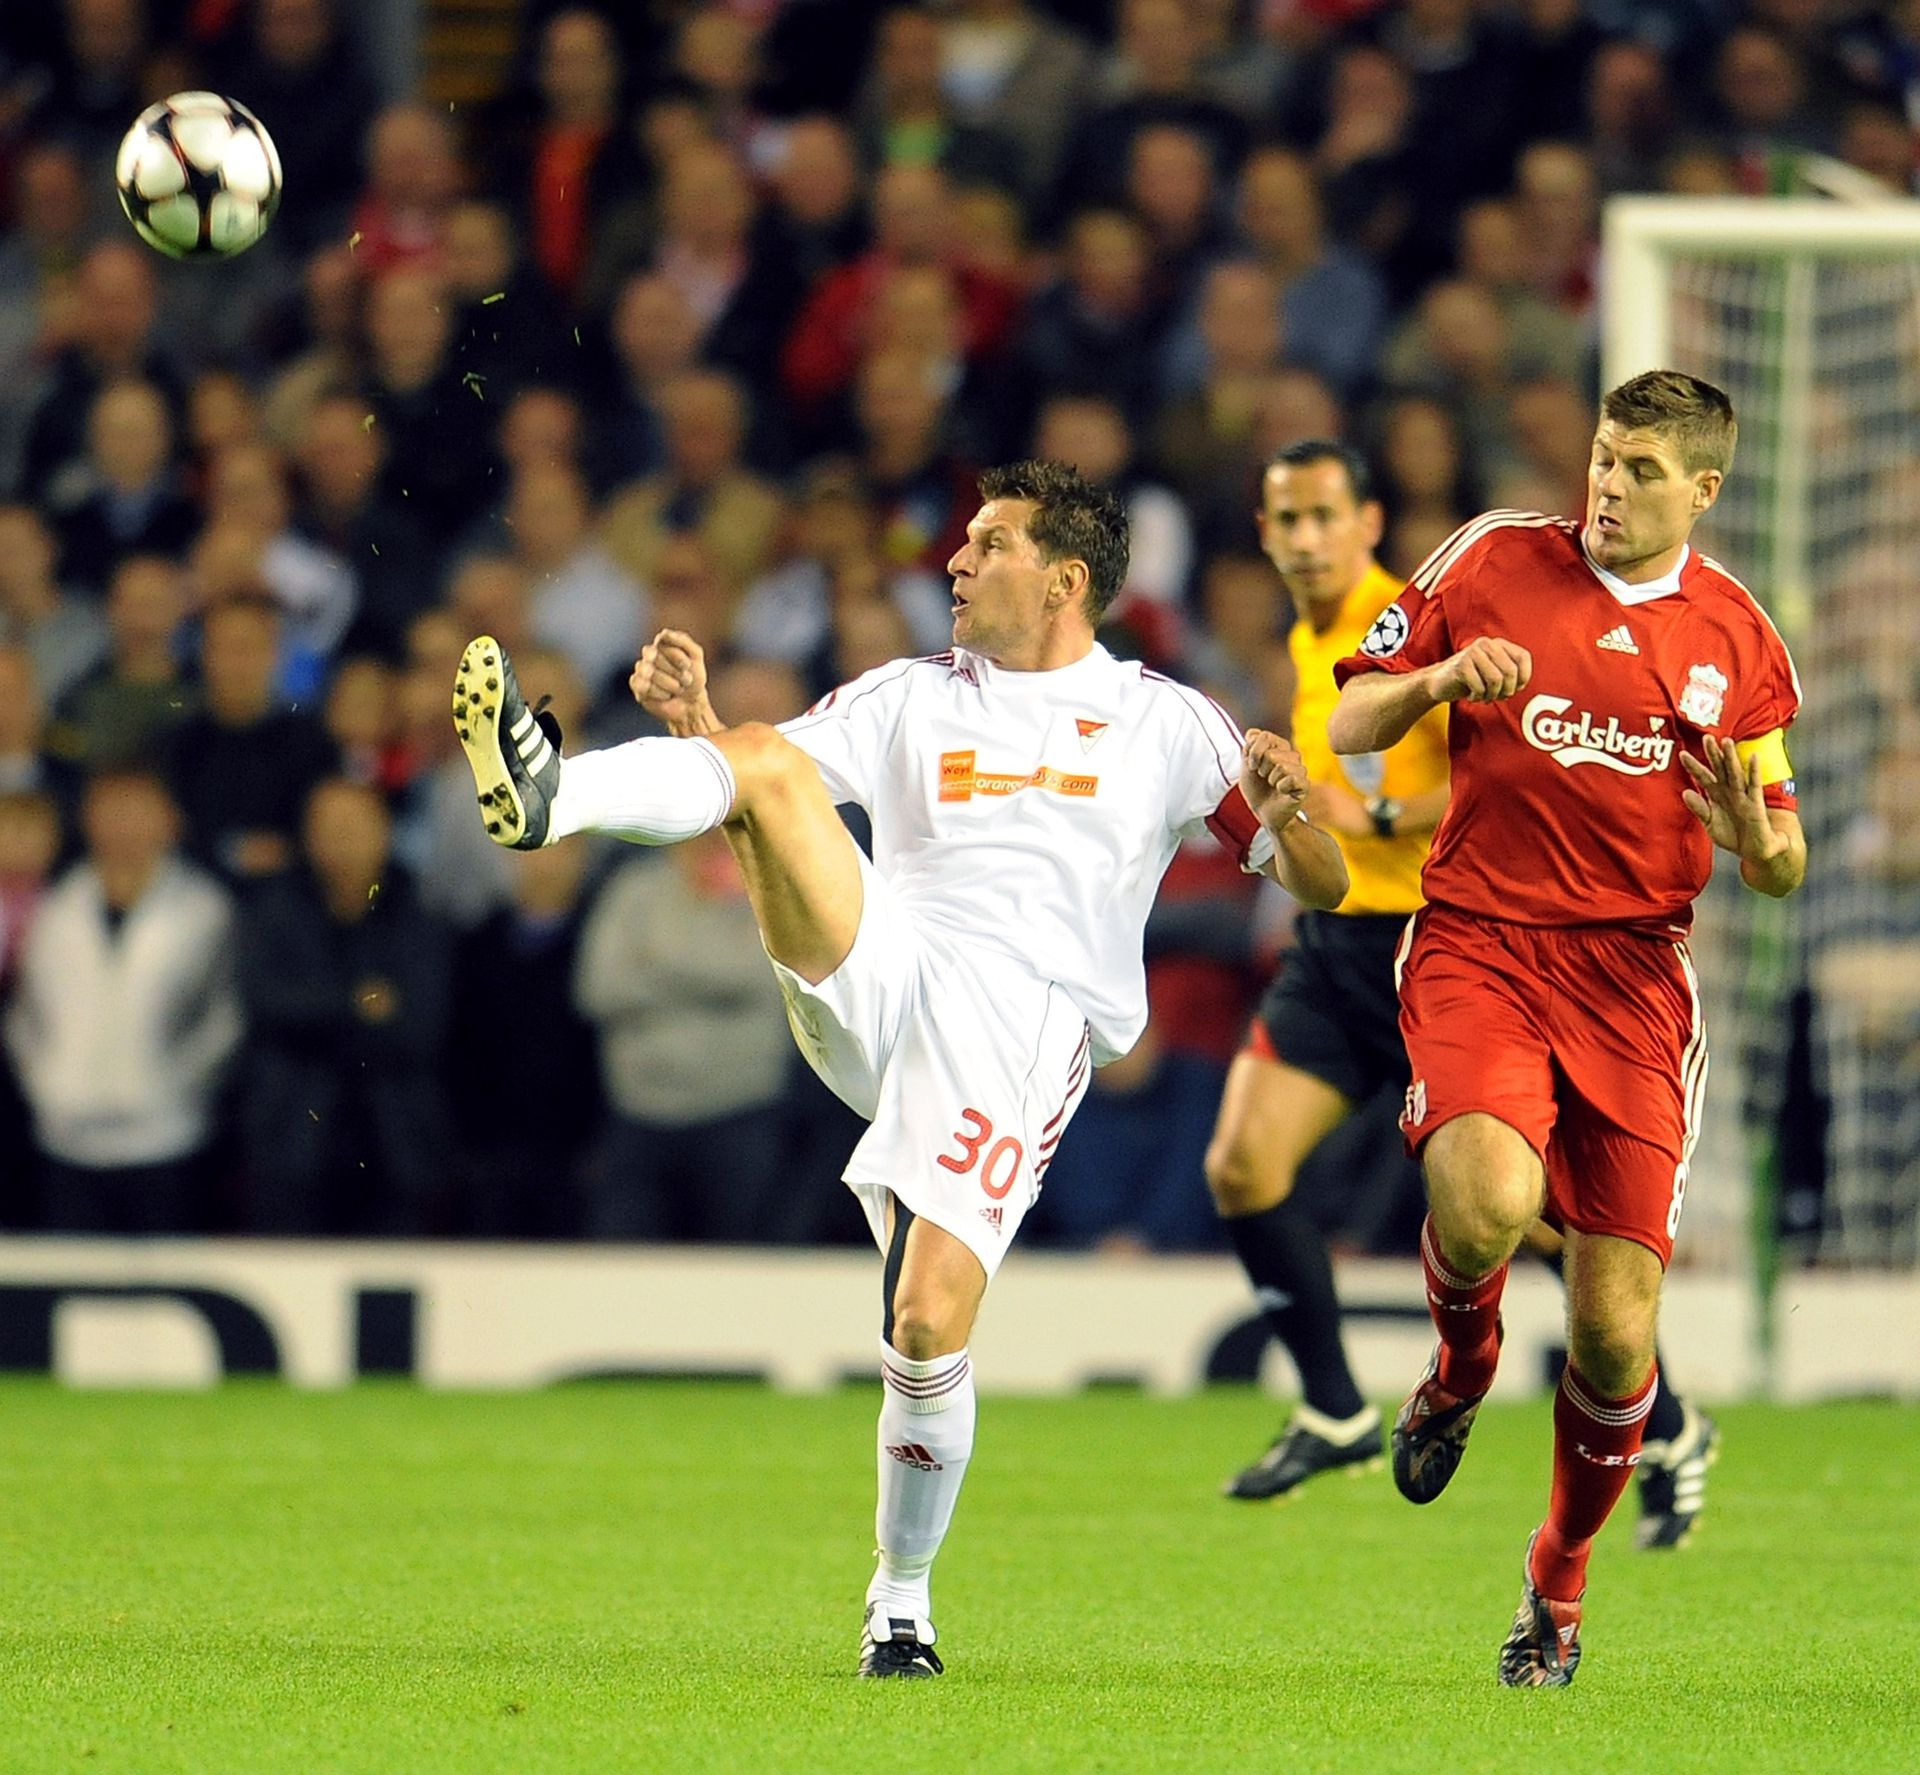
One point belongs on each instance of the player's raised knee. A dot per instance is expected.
(1485, 1186)
(1478, 1231)
(765, 763)
(1241, 1182)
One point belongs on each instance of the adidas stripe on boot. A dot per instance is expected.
(513, 751)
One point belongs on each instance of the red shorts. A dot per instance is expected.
(1587, 1040)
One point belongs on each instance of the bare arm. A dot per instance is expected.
(1336, 807)
(1423, 812)
(1786, 869)
(669, 681)
(1308, 864)
(1729, 800)
(1305, 861)
(1376, 709)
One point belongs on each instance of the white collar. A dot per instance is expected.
(1647, 590)
(1053, 677)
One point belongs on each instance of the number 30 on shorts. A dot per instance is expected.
(1002, 1163)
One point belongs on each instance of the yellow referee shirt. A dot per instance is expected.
(1384, 872)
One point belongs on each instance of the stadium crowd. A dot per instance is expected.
(709, 321)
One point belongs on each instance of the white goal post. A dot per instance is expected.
(1807, 311)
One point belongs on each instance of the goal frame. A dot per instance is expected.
(1637, 232)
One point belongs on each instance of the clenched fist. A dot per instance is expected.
(669, 681)
(1488, 670)
(1272, 778)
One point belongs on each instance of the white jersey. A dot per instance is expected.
(1034, 813)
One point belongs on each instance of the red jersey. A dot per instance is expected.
(1566, 804)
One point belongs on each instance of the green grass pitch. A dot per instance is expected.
(667, 1577)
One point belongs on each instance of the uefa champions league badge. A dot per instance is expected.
(1388, 634)
(1705, 696)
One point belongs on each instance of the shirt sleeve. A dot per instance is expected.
(1776, 702)
(848, 733)
(1414, 631)
(1763, 723)
(1203, 786)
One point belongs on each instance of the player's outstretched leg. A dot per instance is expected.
(1673, 1476)
(513, 751)
(1542, 1649)
(648, 791)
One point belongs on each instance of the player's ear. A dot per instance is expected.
(1069, 584)
(1373, 522)
(1706, 489)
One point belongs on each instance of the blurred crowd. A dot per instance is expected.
(709, 320)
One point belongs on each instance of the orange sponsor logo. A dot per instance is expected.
(956, 776)
(961, 780)
(1063, 782)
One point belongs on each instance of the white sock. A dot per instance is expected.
(1341, 1432)
(926, 1438)
(653, 791)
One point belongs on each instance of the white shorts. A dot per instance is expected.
(968, 1065)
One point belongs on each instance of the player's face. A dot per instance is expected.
(1000, 584)
(1314, 531)
(1641, 501)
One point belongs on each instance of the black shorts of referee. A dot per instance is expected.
(1333, 1010)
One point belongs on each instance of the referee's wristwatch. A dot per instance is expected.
(1384, 812)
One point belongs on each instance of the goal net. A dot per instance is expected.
(1808, 313)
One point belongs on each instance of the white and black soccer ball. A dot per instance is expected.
(199, 176)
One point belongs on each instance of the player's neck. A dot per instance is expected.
(1644, 571)
(1045, 653)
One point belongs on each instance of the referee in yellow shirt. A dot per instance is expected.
(1327, 1035)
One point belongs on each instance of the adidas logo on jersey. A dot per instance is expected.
(1618, 640)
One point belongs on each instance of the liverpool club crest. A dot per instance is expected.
(1705, 696)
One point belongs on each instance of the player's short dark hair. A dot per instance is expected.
(1072, 520)
(1305, 452)
(1694, 415)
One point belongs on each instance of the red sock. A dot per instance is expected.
(1596, 1443)
(1467, 1315)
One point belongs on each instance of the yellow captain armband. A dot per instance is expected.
(1771, 750)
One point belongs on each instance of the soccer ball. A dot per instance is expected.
(199, 176)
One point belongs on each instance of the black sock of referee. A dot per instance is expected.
(1667, 1417)
(1285, 1258)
